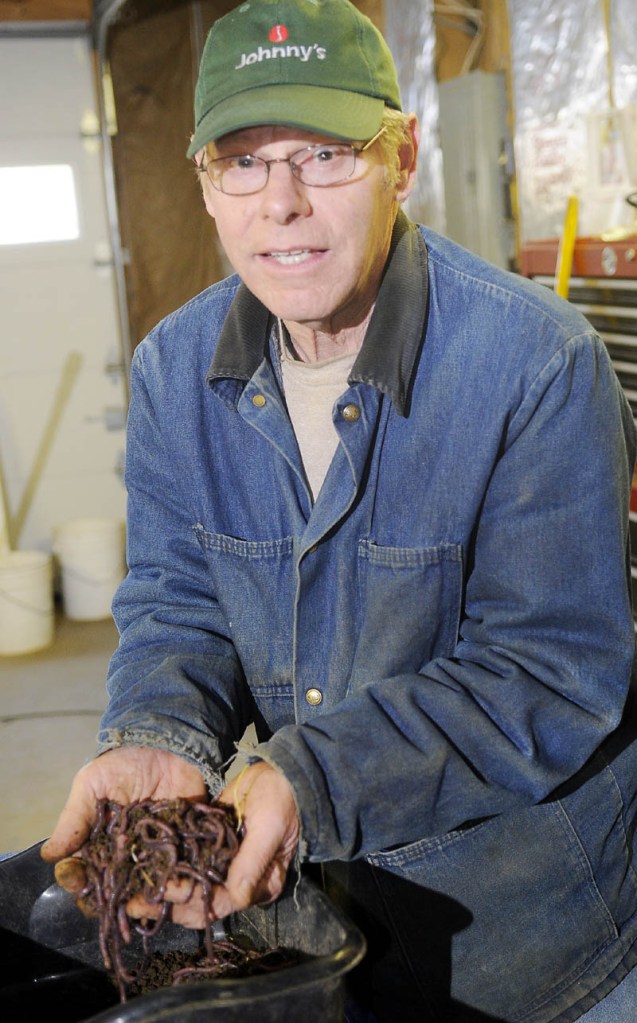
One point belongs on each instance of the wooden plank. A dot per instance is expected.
(46, 10)
(374, 10)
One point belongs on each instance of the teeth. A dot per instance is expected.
(288, 258)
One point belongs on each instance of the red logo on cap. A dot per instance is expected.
(278, 34)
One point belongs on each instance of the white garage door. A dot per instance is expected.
(62, 387)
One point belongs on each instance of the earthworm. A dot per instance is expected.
(136, 850)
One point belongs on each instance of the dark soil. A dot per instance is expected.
(164, 969)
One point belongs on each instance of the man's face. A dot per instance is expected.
(313, 256)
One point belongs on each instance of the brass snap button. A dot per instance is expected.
(314, 697)
(351, 413)
(258, 400)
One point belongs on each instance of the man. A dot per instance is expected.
(378, 496)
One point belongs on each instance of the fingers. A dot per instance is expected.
(72, 828)
(70, 873)
(186, 905)
(238, 897)
(74, 823)
(254, 878)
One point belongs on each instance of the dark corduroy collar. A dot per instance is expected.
(394, 336)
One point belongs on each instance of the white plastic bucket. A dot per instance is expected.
(26, 601)
(92, 560)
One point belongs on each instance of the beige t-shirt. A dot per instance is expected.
(311, 388)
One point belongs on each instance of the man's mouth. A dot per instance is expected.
(291, 258)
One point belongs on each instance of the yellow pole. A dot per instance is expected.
(566, 248)
(606, 8)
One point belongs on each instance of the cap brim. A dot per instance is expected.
(326, 111)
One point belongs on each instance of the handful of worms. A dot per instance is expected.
(138, 849)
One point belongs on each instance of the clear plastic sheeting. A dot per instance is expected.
(574, 89)
(624, 50)
(411, 37)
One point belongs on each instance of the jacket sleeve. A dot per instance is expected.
(541, 668)
(175, 682)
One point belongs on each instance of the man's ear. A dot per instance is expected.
(408, 158)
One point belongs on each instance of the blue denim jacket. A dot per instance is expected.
(437, 651)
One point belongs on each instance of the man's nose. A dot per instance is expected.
(284, 197)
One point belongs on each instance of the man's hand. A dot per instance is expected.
(123, 775)
(264, 802)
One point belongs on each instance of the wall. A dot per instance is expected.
(46, 10)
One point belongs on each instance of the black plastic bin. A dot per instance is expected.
(50, 963)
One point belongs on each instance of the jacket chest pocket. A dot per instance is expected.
(411, 599)
(253, 583)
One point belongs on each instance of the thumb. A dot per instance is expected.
(72, 828)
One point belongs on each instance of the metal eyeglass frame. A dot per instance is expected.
(295, 168)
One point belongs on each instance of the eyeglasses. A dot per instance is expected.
(320, 166)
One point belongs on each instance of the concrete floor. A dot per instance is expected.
(50, 704)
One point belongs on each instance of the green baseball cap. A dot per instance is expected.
(319, 65)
